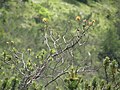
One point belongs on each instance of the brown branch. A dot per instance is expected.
(59, 75)
(30, 78)
(71, 46)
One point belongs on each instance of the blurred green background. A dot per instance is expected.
(22, 28)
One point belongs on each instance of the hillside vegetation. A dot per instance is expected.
(59, 45)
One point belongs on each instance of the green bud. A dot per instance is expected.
(106, 61)
(14, 50)
(113, 66)
(52, 51)
(57, 88)
(102, 83)
(108, 87)
(29, 50)
(8, 57)
(12, 42)
(4, 54)
(94, 82)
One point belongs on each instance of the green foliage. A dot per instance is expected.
(73, 79)
(27, 26)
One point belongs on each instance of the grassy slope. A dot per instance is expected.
(61, 10)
